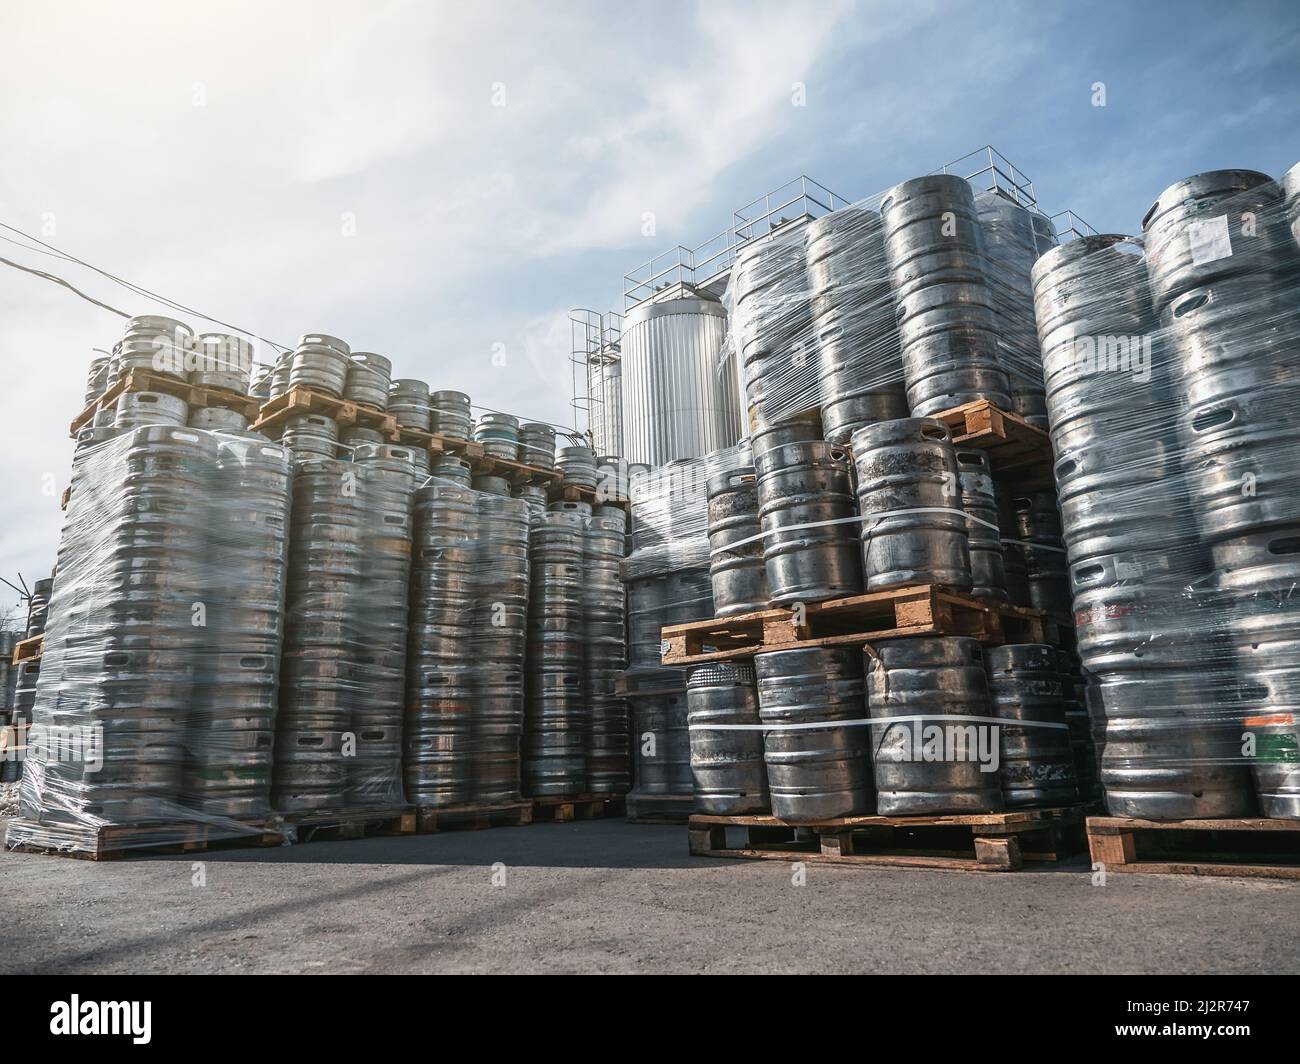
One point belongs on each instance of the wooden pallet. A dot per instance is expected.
(559, 810)
(303, 400)
(27, 649)
(659, 808)
(112, 841)
(350, 824)
(430, 819)
(984, 842)
(1017, 450)
(578, 493)
(853, 621)
(198, 396)
(1251, 847)
(480, 463)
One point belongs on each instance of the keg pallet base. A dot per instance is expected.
(1017, 450)
(859, 619)
(108, 842)
(480, 464)
(350, 824)
(27, 649)
(303, 400)
(561, 809)
(579, 493)
(198, 396)
(983, 842)
(430, 819)
(659, 808)
(1251, 847)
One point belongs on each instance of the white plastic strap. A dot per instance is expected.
(760, 536)
(920, 717)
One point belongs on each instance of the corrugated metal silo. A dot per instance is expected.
(678, 403)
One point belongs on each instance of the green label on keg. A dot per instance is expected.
(1277, 749)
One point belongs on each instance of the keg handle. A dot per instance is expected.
(1147, 217)
(1193, 301)
(1216, 419)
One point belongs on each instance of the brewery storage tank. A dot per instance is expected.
(678, 399)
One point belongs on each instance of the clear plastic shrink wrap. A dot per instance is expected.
(666, 575)
(1165, 367)
(157, 694)
(1172, 366)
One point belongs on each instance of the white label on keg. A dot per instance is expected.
(1128, 570)
(1209, 240)
(663, 648)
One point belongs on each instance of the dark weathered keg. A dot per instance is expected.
(979, 500)
(369, 379)
(408, 402)
(499, 435)
(661, 742)
(860, 364)
(450, 415)
(805, 511)
(217, 419)
(768, 435)
(1014, 238)
(578, 464)
(136, 409)
(320, 362)
(728, 766)
(8, 677)
(311, 436)
(932, 744)
(1038, 526)
(814, 772)
(738, 574)
(1036, 762)
(537, 445)
(557, 718)
(937, 263)
(772, 325)
(1218, 224)
(491, 485)
(647, 607)
(26, 676)
(910, 465)
(1074, 702)
(420, 462)
(534, 495)
(38, 607)
(155, 344)
(222, 361)
(96, 379)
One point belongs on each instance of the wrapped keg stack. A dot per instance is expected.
(1170, 366)
(162, 649)
(557, 713)
(667, 578)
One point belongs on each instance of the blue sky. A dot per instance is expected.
(213, 153)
